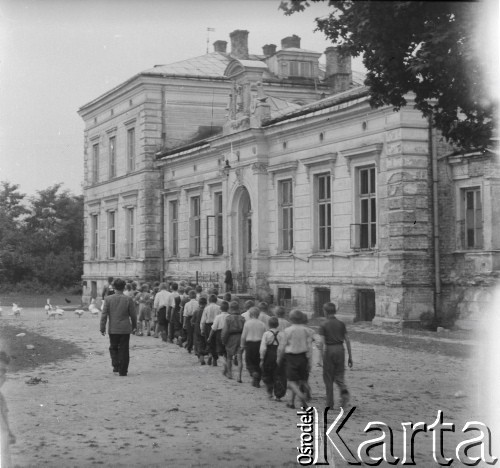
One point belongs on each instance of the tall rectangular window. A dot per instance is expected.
(285, 200)
(131, 149)
(112, 157)
(95, 163)
(298, 68)
(111, 234)
(472, 218)
(219, 239)
(130, 233)
(367, 208)
(195, 227)
(174, 228)
(324, 211)
(94, 237)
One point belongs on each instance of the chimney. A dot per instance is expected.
(269, 49)
(239, 44)
(220, 46)
(290, 41)
(338, 73)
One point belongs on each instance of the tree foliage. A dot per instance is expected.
(41, 238)
(427, 48)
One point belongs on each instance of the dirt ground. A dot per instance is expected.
(172, 412)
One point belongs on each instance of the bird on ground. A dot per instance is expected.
(93, 309)
(79, 312)
(54, 313)
(67, 300)
(49, 306)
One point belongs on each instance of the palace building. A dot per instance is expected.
(277, 170)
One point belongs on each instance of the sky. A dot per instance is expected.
(57, 55)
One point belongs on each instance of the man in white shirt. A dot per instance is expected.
(160, 309)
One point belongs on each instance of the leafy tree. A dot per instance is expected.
(56, 220)
(11, 199)
(427, 48)
(41, 243)
(13, 266)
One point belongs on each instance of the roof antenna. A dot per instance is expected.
(209, 30)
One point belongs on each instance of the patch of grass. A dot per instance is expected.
(47, 350)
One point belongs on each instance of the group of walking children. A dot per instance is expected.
(275, 350)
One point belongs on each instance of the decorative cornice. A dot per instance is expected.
(192, 186)
(129, 122)
(94, 203)
(328, 159)
(374, 150)
(170, 191)
(130, 193)
(288, 166)
(111, 199)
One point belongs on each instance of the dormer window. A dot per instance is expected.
(300, 68)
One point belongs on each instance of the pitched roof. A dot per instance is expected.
(210, 65)
(280, 107)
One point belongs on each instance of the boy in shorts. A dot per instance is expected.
(296, 349)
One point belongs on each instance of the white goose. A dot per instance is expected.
(16, 310)
(79, 312)
(52, 311)
(93, 309)
(48, 306)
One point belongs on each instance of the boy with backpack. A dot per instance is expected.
(231, 337)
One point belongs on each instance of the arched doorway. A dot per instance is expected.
(242, 237)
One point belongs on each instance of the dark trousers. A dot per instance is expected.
(174, 326)
(211, 351)
(189, 333)
(252, 359)
(161, 317)
(333, 371)
(119, 352)
(200, 343)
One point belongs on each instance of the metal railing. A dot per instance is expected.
(212, 279)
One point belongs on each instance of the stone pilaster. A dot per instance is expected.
(409, 277)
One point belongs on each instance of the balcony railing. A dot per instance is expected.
(363, 236)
